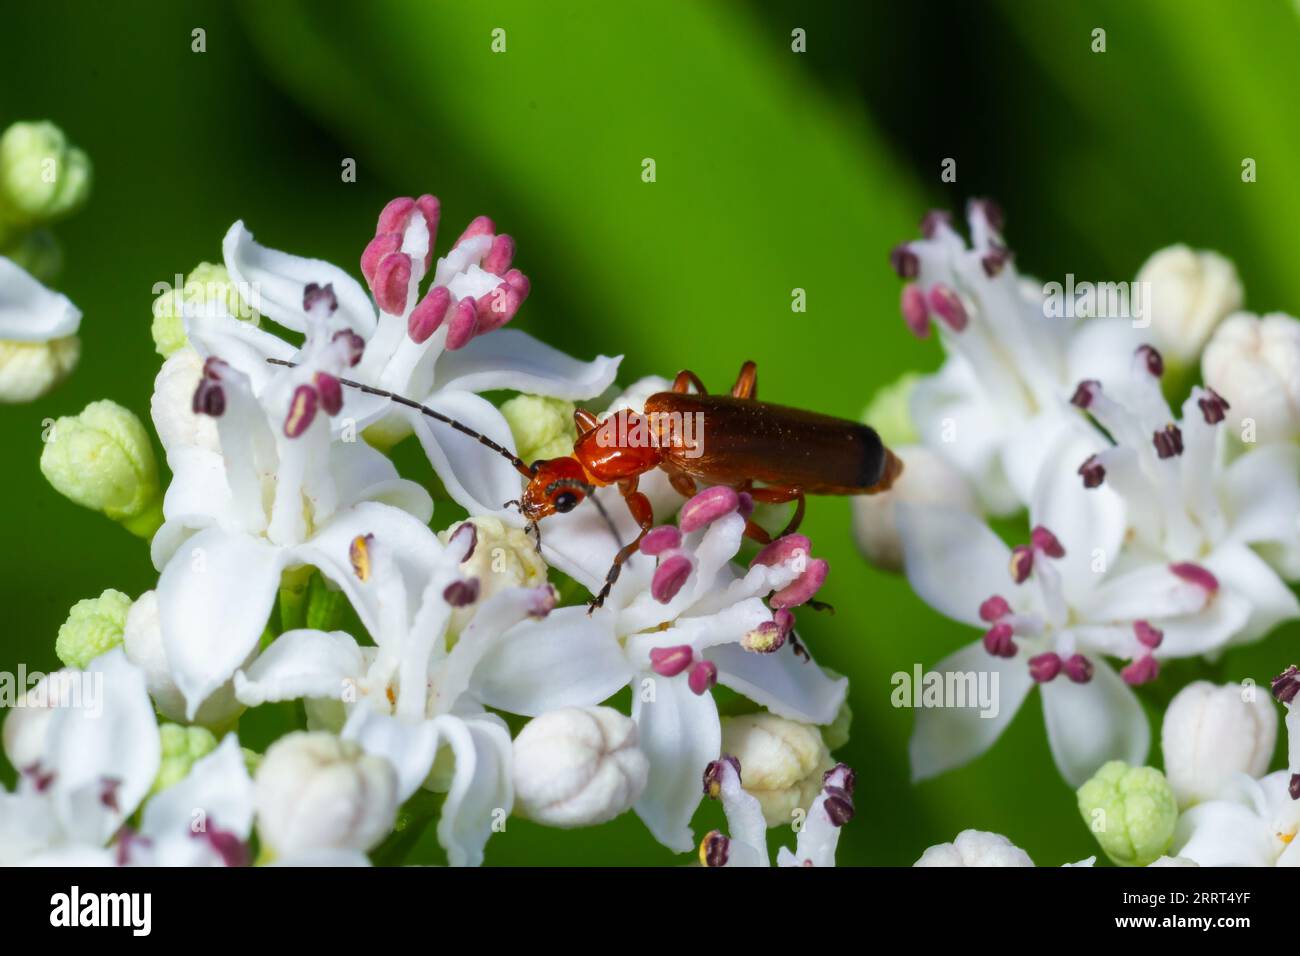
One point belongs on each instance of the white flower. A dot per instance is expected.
(1255, 363)
(38, 327)
(682, 617)
(172, 405)
(997, 399)
(503, 557)
(975, 848)
(927, 479)
(1190, 293)
(236, 520)
(1251, 823)
(1185, 505)
(1211, 733)
(421, 687)
(784, 762)
(1052, 609)
(434, 349)
(314, 791)
(746, 845)
(142, 641)
(577, 767)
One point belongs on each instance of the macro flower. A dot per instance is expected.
(419, 688)
(1256, 361)
(39, 347)
(1052, 610)
(998, 398)
(746, 845)
(1211, 733)
(578, 766)
(683, 617)
(439, 349)
(1186, 505)
(237, 519)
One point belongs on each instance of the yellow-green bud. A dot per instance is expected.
(30, 369)
(94, 626)
(181, 747)
(102, 459)
(42, 176)
(207, 283)
(1131, 811)
(542, 427)
(890, 414)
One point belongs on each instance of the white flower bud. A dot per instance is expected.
(315, 791)
(781, 762)
(172, 405)
(1211, 733)
(1190, 292)
(928, 478)
(142, 641)
(975, 848)
(577, 767)
(1254, 363)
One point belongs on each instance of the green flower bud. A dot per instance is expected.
(1131, 811)
(207, 283)
(181, 747)
(542, 427)
(889, 412)
(94, 626)
(30, 369)
(42, 176)
(102, 459)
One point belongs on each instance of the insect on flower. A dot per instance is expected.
(774, 453)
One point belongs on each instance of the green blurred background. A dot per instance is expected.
(775, 170)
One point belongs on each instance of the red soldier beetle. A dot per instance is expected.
(791, 452)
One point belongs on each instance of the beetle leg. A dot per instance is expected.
(746, 382)
(687, 378)
(585, 421)
(756, 532)
(776, 496)
(643, 512)
(682, 483)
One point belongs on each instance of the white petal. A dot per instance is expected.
(362, 473)
(410, 746)
(476, 477)
(1088, 522)
(1089, 724)
(679, 734)
(481, 790)
(278, 279)
(214, 598)
(948, 737)
(218, 785)
(1264, 495)
(1241, 571)
(954, 561)
(112, 736)
(1102, 348)
(511, 359)
(29, 312)
(214, 331)
(298, 664)
(788, 685)
(1224, 833)
(567, 659)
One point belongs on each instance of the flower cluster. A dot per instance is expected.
(296, 564)
(1153, 532)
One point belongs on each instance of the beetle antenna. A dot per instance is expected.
(520, 465)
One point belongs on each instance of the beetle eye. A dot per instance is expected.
(565, 501)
